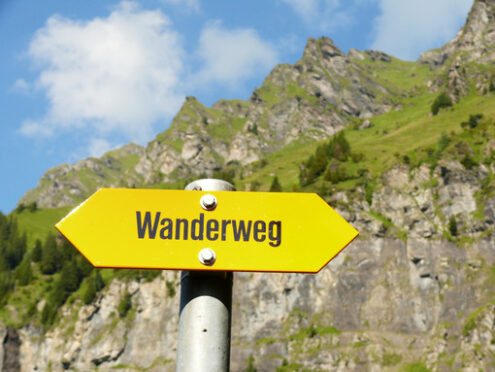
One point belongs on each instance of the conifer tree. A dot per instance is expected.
(98, 280)
(12, 244)
(84, 267)
(95, 284)
(50, 257)
(48, 314)
(90, 292)
(275, 187)
(6, 284)
(24, 273)
(70, 277)
(37, 251)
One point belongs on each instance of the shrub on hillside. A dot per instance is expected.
(32, 207)
(48, 314)
(453, 225)
(335, 173)
(468, 162)
(254, 186)
(170, 288)
(6, 284)
(435, 154)
(253, 129)
(443, 100)
(51, 259)
(90, 292)
(12, 243)
(250, 364)
(442, 142)
(226, 174)
(95, 284)
(337, 148)
(24, 273)
(125, 305)
(472, 122)
(36, 253)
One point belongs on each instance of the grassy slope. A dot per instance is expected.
(392, 136)
(40, 223)
(405, 132)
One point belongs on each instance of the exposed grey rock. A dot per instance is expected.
(365, 124)
(475, 40)
(11, 343)
(377, 55)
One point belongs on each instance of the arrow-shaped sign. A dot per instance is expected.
(216, 230)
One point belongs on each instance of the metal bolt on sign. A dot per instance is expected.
(207, 256)
(208, 202)
(205, 304)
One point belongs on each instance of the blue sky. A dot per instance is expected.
(78, 78)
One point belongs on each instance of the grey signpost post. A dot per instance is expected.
(205, 305)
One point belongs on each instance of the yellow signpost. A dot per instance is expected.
(199, 230)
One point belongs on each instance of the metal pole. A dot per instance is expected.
(205, 310)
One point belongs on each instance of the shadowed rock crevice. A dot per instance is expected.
(11, 346)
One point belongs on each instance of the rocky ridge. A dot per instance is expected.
(475, 41)
(460, 60)
(308, 101)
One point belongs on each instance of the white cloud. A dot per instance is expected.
(306, 9)
(187, 4)
(231, 56)
(311, 10)
(21, 86)
(408, 27)
(120, 73)
(325, 15)
(34, 129)
(115, 77)
(99, 146)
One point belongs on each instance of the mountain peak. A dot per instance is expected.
(474, 41)
(322, 47)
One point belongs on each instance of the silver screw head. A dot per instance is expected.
(207, 256)
(208, 202)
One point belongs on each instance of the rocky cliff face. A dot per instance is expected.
(385, 300)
